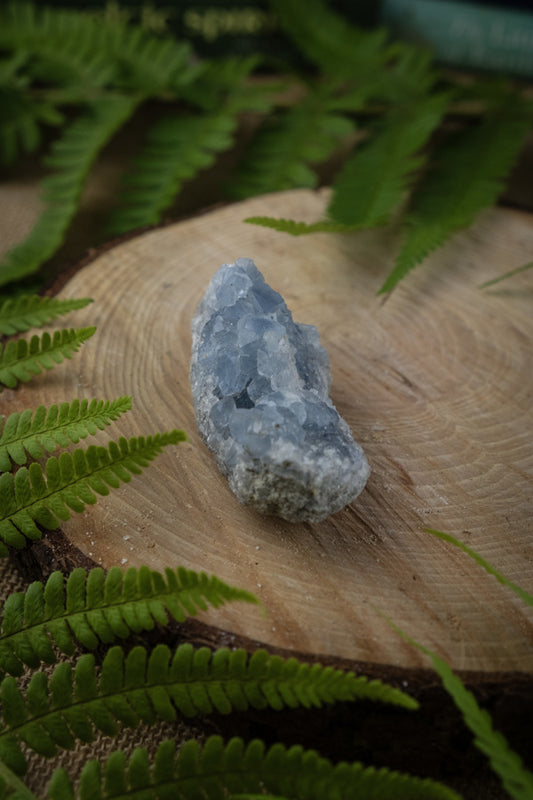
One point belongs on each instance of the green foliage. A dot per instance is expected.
(300, 228)
(81, 52)
(71, 157)
(93, 608)
(141, 686)
(177, 149)
(234, 769)
(19, 314)
(510, 274)
(330, 43)
(20, 121)
(21, 360)
(466, 172)
(180, 146)
(486, 565)
(516, 779)
(467, 175)
(281, 153)
(11, 787)
(34, 432)
(374, 181)
(34, 496)
(84, 75)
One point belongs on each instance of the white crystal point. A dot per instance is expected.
(260, 385)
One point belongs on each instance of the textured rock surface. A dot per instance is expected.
(260, 384)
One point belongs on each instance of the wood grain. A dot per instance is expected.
(436, 383)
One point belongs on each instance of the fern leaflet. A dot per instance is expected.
(510, 274)
(467, 176)
(19, 314)
(218, 769)
(280, 155)
(147, 687)
(301, 228)
(72, 156)
(177, 149)
(20, 359)
(32, 497)
(11, 787)
(374, 181)
(330, 42)
(20, 118)
(35, 431)
(516, 779)
(486, 565)
(93, 608)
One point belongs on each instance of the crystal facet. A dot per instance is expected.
(260, 385)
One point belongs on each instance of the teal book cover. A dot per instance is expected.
(469, 35)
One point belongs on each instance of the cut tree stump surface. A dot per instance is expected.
(436, 382)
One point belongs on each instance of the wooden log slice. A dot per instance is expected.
(436, 382)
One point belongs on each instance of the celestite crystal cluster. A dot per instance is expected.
(260, 384)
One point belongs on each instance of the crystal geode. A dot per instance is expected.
(260, 384)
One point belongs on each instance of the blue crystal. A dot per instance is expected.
(260, 385)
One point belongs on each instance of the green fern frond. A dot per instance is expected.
(60, 53)
(84, 50)
(467, 177)
(218, 769)
(301, 228)
(147, 687)
(178, 148)
(329, 41)
(72, 156)
(516, 779)
(486, 565)
(280, 155)
(19, 314)
(93, 608)
(35, 432)
(149, 64)
(32, 497)
(21, 359)
(20, 120)
(373, 182)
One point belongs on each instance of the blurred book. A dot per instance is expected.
(493, 36)
(470, 35)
